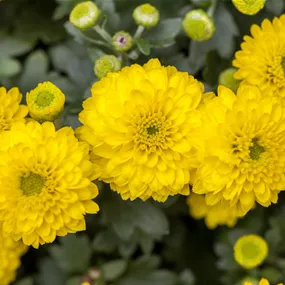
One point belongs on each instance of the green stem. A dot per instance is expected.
(212, 9)
(96, 42)
(138, 32)
(104, 34)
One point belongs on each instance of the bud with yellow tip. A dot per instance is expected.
(106, 64)
(45, 102)
(146, 15)
(198, 25)
(84, 15)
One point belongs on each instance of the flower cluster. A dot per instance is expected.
(46, 175)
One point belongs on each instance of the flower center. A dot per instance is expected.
(250, 250)
(44, 99)
(151, 132)
(32, 184)
(255, 150)
(147, 9)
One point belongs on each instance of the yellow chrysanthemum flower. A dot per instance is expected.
(246, 149)
(216, 215)
(249, 7)
(45, 102)
(261, 60)
(141, 123)
(250, 251)
(262, 281)
(10, 109)
(10, 254)
(45, 182)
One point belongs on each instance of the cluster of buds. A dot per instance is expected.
(86, 15)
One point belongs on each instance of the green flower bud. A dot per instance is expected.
(227, 79)
(106, 64)
(122, 41)
(146, 15)
(198, 25)
(84, 15)
(249, 7)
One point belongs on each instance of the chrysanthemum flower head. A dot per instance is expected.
(45, 183)
(45, 102)
(246, 149)
(262, 281)
(10, 255)
(250, 251)
(217, 215)
(11, 111)
(141, 123)
(261, 60)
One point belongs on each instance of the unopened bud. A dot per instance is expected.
(198, 25)
(122, 41)
(146, 15)
(84, 15)
(227, 79)
(250, 280)
(106, 64)
(249, 7)
(45, 102)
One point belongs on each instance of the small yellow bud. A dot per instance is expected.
(249, 7)
(106, 64)
(146, 15)
(227, 79)
(122, 41)
(250, 251)
(198, 25)
(84, 15)
(250, 280)
(45, 102)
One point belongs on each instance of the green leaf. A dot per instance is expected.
(105, 241)
(50, 273)
(159, 277)
(272, 274)
(34, 71)
(9, 67)
(165, 31)
(74, 253)
(74, 280)
(113, 269)
(14, 46)
(127, 216)
(226, 31)
(25, 281)
(275, 7)
(143, 45)
(186, 277)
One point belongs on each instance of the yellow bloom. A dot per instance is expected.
(141, 123)
(216, 215)
(45, 102)
(250, 251)
(10, 109)
(249, 7)
(10, 254)
(45, 183)
(246, 149)
(262, 281)
(261, 61)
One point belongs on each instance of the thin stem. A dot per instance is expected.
(212, 9)
(104, 34)
(139, 31)
(96, 42)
